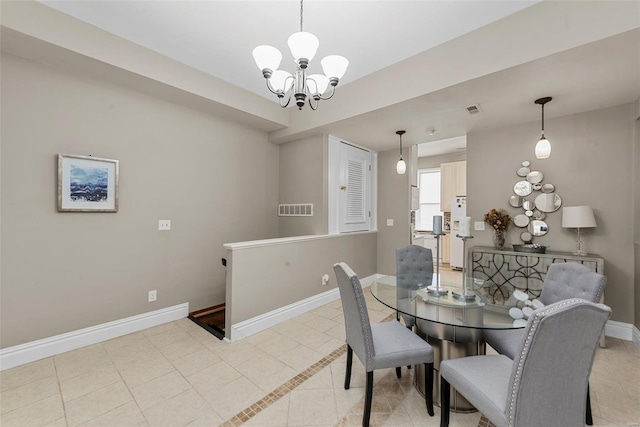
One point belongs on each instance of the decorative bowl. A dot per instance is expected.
(532, 248)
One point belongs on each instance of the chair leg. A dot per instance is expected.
(428, 381)
(445, 390)
(347, 375)
(589, 417)
(367, 400)
(398, 372)
(411, 329)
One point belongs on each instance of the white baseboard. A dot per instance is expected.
(620, 330)
(36, 350)
(636, 336)
(264, 321)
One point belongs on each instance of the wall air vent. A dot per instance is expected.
(299, 209)
(473, 109)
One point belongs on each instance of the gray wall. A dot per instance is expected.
(431, 162)
(266, 277)
(217, 182)
(591, 164)
(394, 202)
(303, 179)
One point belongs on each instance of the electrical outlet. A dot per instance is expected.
(478, 225)
(389, 222)
(325, 280)
(164, 225)
(153, 295)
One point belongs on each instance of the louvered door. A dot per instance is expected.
(355, 174)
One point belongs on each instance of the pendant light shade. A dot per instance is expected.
(303, 45)
(401, 166)
(543, 147)
(267, 57)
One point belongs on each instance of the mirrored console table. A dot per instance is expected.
(507, 271)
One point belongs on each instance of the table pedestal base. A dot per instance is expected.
(443, 350)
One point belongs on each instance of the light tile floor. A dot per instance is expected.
(177, 374)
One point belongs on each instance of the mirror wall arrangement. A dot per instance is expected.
(536, 199)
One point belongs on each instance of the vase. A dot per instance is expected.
(499, 239)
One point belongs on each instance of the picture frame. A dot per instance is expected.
(87, 184)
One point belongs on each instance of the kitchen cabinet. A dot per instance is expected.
(453, 182)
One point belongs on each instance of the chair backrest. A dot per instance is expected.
(571, 280)
(548, 385)
(356, 317)
(414, 266)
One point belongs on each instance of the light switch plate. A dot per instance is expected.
(390, 223)
(478, 225)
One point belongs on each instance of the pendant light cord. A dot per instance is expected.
(400, 145)
(543, 119)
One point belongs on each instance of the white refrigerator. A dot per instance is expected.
(458, 212)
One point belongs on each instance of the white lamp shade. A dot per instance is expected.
(278, 80)
(267, 57)
(543, 148)
(578, 217)
(334, 65)
(401, 167)
(317, 83)
(303, 45)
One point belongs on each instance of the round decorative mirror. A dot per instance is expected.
(523, 171)
(548, 188)
(515, 201)
(522, 188)
(538, 215)
(538, 227)
(537, 187)
(534, 177)
(526, 237)
(521, 220)
(528, 205)
(548, 202)
(528, 213)
(526, 163)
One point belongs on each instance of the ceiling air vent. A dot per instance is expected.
(473, 109)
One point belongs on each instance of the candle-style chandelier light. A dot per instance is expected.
(283, 84)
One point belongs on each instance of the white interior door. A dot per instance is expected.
(355, 181)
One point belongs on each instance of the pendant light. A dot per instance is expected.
(543, 147)
(401, 166)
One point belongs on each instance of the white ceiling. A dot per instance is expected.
(217, 37)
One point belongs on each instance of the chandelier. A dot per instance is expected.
(303, 47)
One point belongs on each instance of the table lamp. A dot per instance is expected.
(578, 217)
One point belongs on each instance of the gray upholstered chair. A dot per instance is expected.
(546, 384)
(563, 281)
(378, 345)
(414, 268)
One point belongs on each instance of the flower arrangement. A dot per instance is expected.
(498, 219)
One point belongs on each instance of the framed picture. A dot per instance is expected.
(87, 184)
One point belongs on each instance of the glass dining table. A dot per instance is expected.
(452, 323)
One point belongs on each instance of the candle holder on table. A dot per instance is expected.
(436, 289)
(467, 295)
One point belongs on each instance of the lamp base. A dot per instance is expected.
(580, 253)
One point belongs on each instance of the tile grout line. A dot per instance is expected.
(251, 411)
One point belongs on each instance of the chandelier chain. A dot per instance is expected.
(301, 15)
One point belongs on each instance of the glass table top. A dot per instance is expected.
(423, 303)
